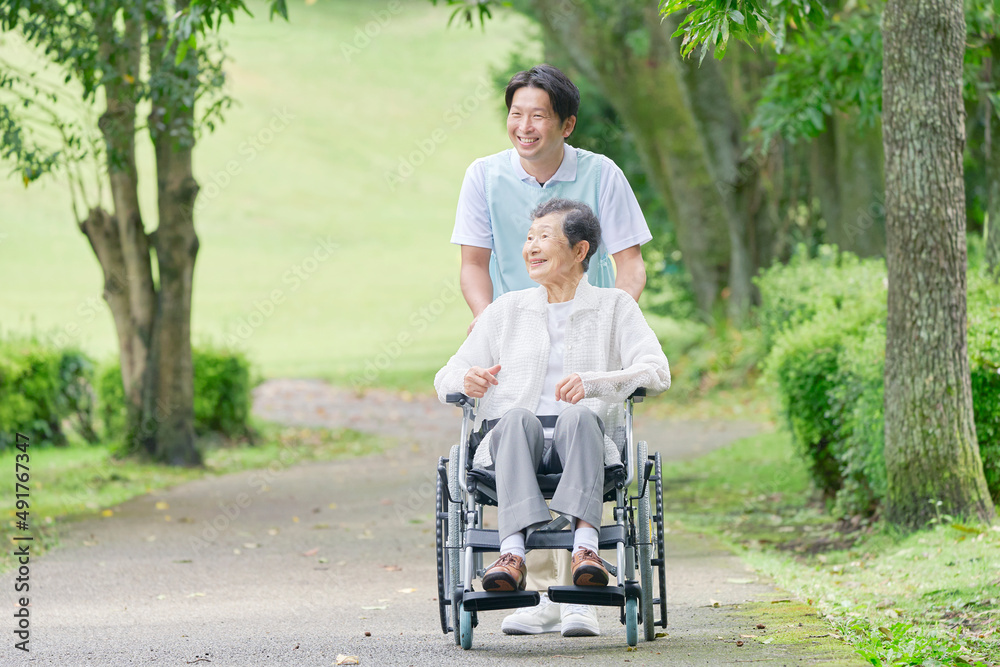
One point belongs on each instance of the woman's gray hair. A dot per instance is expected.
(579, 223)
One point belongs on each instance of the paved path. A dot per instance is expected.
(295, 565)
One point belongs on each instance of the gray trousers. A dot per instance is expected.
(519, 452)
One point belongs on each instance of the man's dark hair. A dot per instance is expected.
(579, 223)
(563, 94)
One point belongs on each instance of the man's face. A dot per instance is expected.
(534, 127)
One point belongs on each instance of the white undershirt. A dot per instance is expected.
(547, 404)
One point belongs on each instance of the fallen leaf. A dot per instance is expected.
(272, 531)
(660, 634)
(407, 590)
(250, 545)
(740, 581)
(767, 641)
(332, 506)
(392, 568)
(748, 636)
(161, 505)
(107, 513)
(375, 607)
(311, 552)
(196, 595)
(295, 519)
(346, 659)
(885, 631)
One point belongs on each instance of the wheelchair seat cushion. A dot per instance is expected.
(485, 482)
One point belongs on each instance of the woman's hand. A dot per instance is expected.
(570, 389)
(478, 381)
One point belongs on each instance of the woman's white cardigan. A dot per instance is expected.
(608, 343)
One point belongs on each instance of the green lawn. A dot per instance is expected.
(331, 117)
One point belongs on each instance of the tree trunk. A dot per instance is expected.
(931, 453)
(646, 84)
(168, 404)
(992, 228)
(153, 323)
(119, 241)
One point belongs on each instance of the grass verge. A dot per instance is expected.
(69, 483)
(926, 598)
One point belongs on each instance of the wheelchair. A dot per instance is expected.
(636, 536)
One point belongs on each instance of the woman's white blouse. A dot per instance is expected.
(607, 342)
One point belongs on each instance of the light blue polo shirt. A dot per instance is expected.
(497, 188)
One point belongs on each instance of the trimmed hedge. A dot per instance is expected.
(828, 361)
(221, 394)
(40, 386)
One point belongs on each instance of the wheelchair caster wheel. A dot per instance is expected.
(466, 629)
(631, 622)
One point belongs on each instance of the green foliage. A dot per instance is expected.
(984, 363)
(40, 386)
(221, 391)
(792, 294)
(825, 319)
(710, 23)
(221, 394)
(836, 69)
(904, 643)
(468, 11)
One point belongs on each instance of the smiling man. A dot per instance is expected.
(494, 215)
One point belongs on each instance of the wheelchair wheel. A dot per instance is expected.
(455, 540)
(441, 528)
(466, 629)
(661, 556)
(644, 521)
(631, 622)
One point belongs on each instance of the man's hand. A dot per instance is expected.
(570, 389)
(478, 381)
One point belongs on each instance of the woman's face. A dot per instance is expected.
(547, 253)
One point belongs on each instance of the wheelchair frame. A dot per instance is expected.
(462, 541)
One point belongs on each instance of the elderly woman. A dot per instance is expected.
(565, 349)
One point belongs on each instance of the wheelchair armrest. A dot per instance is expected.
(458, 398)
(637, 395)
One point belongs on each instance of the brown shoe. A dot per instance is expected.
(506, 575)
(588, 569)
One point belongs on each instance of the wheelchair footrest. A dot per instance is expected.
(603, 596)
(482, 601)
